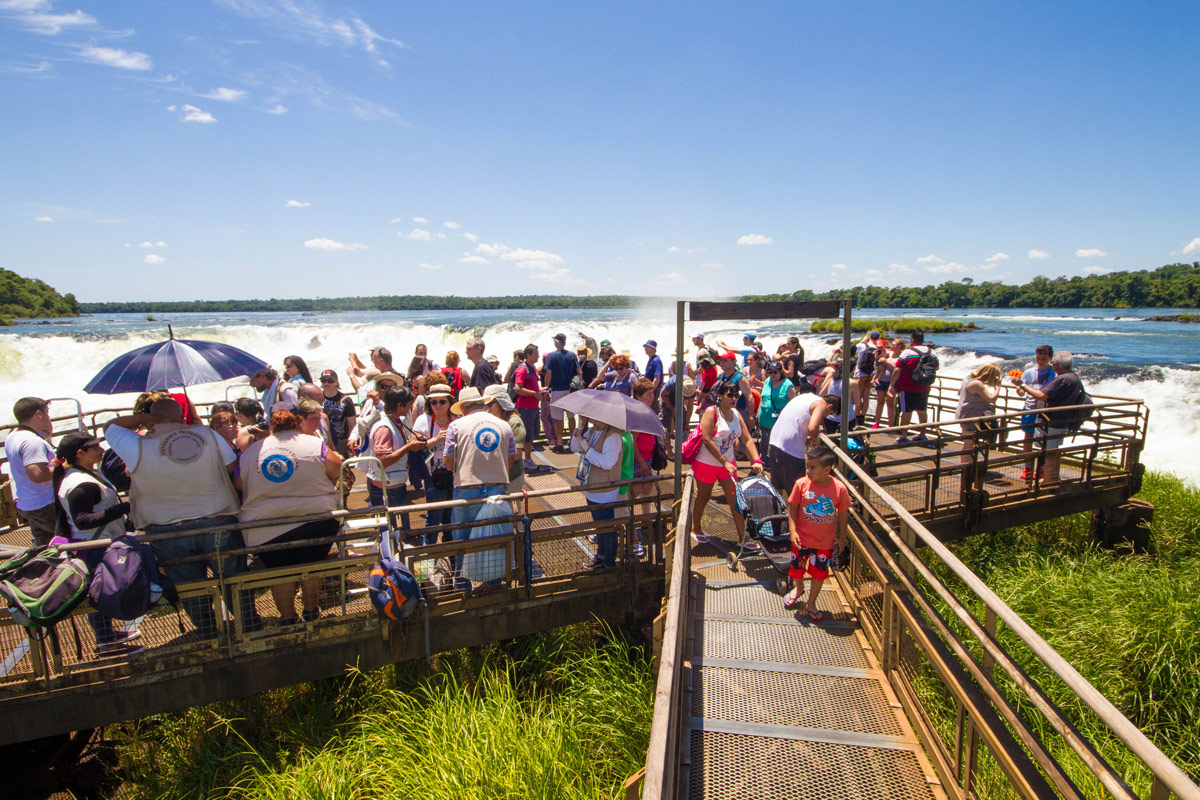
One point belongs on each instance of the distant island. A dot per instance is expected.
(24, 298)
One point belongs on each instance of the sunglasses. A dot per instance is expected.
(442, 402)
(328, 380)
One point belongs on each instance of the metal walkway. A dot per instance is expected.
(781, 707)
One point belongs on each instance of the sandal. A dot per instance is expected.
(750, 546)
(699, 538)
(815, 614)
(790, 601)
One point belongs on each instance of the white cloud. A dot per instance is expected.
(837, 266)
(873, 274)
(193, 114)
(672, 249)
(997, 258)
(304, 20)
(535, 264)
(151, 258)
(330, 245)
(429, 266)
(900, 269)
(451, 224)
(1090, 252)
(712, 265)
(298, 204)
(560, 275)
(114, 57)
(521, 254)
(671, 277)
(51, 24)
(470, 237)
(1095, 270)
(930, 259)
(473, 260)
(754, 238)
(491, 249)
(439, 235)
(278, 109)
(417, 235)
(146, 244)
(43, 219)
(1192, 247)
(418, 220)
(948, 267)
(227, 95)
(1038, 255)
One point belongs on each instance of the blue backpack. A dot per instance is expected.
(391, 585)
(126, 581)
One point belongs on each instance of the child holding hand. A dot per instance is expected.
(818, 516)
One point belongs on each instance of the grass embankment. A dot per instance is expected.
(1130, 624)
(902, 325)
(559, 715)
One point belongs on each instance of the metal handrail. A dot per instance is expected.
(1172, 777)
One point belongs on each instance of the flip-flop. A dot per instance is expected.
(790, 602)
(751, 546)
(815, 614)
(700, 538)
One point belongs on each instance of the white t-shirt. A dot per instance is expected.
(25, 448)
(127, 444)
(429, 429)
(725, 436)
(790, 433)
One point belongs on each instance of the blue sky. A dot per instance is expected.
(294, 148)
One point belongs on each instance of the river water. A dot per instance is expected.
(1118, 352)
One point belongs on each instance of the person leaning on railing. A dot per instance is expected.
(31, 462)
(180, 478)
(290, 473)
(977, 398)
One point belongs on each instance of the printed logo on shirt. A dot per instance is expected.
(487, 439)
(820, 509)
(277, 468)
(182, 447)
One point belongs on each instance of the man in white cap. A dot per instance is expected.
(500, 405)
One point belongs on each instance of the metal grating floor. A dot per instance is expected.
(781, 707)
(783, 698)
(728, 765)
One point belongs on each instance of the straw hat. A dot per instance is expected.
(440, 390)
(389, 376)
(587, 351)
(469, 396)
(689, 388)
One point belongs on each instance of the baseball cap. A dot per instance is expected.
(651, 343)
(728, 354)
(330, 374)
(499, 395)
(560, 337)
(874, 334)
(604, 342)
(750, 335)
(72, 443)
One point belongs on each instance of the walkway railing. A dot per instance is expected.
(989, 728)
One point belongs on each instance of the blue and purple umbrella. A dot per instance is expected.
(172, 364)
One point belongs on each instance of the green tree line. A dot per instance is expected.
(28, 297)
(1169, 286)
(376, 303)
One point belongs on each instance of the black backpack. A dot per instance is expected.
(127, 579)
(866, 362)
(925, 372)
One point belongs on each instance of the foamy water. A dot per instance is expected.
(57, 361)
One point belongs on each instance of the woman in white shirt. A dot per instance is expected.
(432, 427)
(722, 431)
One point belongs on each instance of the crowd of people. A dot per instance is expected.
(466, 430)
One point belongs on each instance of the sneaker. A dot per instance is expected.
(699, 538)
(903, 440)
(920, 437)
(592, 537)
(1027, 474)
(595, 565)
(310, 616)
(639, 550)
(117, 649)
(530, 466)
(127, 636)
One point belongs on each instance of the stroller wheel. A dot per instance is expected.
(781, 586)
(731, 560)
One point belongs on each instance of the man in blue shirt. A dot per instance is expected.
(654, 370)
(563, 366)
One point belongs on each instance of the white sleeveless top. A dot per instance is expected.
(726, 436)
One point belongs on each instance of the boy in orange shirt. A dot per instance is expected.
(818, 516)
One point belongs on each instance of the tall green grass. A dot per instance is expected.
(559, 715)
(1128, 623)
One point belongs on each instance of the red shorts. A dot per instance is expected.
(708, 473)
(813, 562)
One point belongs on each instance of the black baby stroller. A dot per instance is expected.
(766, 516)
